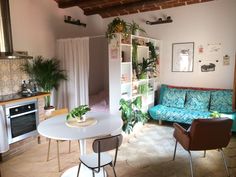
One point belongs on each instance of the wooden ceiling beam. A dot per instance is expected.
(121, 7)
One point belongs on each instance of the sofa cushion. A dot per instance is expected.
(198, 100)
(221, 101)
(176, 114)
(174, 98)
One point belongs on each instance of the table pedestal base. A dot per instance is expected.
(84, 172)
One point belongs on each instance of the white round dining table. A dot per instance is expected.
(56, 128)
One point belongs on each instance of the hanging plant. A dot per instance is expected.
(116, 26)
(134, 28)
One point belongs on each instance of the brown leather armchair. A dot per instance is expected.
(204, 134)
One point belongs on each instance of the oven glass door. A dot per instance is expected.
(23, 124)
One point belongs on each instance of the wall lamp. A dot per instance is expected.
(70, 20)
(160, 21)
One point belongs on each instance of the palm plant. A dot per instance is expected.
(46, 73)
(131, 114)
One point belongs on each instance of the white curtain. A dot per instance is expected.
(74, 57)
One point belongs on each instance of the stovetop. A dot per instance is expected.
(14, 96)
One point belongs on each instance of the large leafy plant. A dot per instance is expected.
(46, 73)
(131, 114)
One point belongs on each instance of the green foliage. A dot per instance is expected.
(148, 64)
(116, 26)
(131, 114)
(133, 27)
(46, 73)
(152, 49)
(78, 112)
(215, 114)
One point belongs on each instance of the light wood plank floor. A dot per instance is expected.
(146, 153)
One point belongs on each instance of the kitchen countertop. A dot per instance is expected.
(6, 99)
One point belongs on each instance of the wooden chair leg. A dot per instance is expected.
(69, 146)
(49, 145)
(58, 157)
(204, 154)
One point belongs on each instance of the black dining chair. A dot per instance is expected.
(95, 161)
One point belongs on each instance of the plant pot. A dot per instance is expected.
(48, 110)
(81, 119)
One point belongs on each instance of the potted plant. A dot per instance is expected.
(215, 114)
(78, 113)
(131, 114)
(134, 28)
(116, 26)
(46, 73)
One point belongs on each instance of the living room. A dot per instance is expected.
(206, 28)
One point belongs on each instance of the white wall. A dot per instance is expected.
(211, 22)
(36, 24)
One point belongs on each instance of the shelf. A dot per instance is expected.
(143, 81)
(126, 63)
(123, 44)
(143, 47)
(125, 83)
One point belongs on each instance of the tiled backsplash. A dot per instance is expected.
(11, 75)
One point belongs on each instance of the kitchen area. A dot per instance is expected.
(21, 105)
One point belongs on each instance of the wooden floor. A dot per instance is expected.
(147, 153)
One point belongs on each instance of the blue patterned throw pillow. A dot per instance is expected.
(174, 98)
(198, 100)
(221, 101)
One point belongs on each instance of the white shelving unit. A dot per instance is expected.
(122, 81)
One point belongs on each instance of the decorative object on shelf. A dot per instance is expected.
(160, 21)
(46, 73)
(182, 57)
(70, 20)
(116, 26)
(134, 28)
(78, 113)
(131, 114)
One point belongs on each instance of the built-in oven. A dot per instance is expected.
(22, 120)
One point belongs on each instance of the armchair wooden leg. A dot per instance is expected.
(191, 163)
(69, 146)
(175, 149)
(204, 154)
(58, 157)
(225, 163)
(49, 145)
(78, 169)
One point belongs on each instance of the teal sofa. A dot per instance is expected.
(184, 104)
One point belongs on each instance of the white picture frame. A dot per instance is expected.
(182, 57)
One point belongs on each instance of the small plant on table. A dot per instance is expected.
(78, 113)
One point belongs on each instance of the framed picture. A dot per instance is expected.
(182, 57)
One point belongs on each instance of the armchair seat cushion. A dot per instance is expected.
(161, 112)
